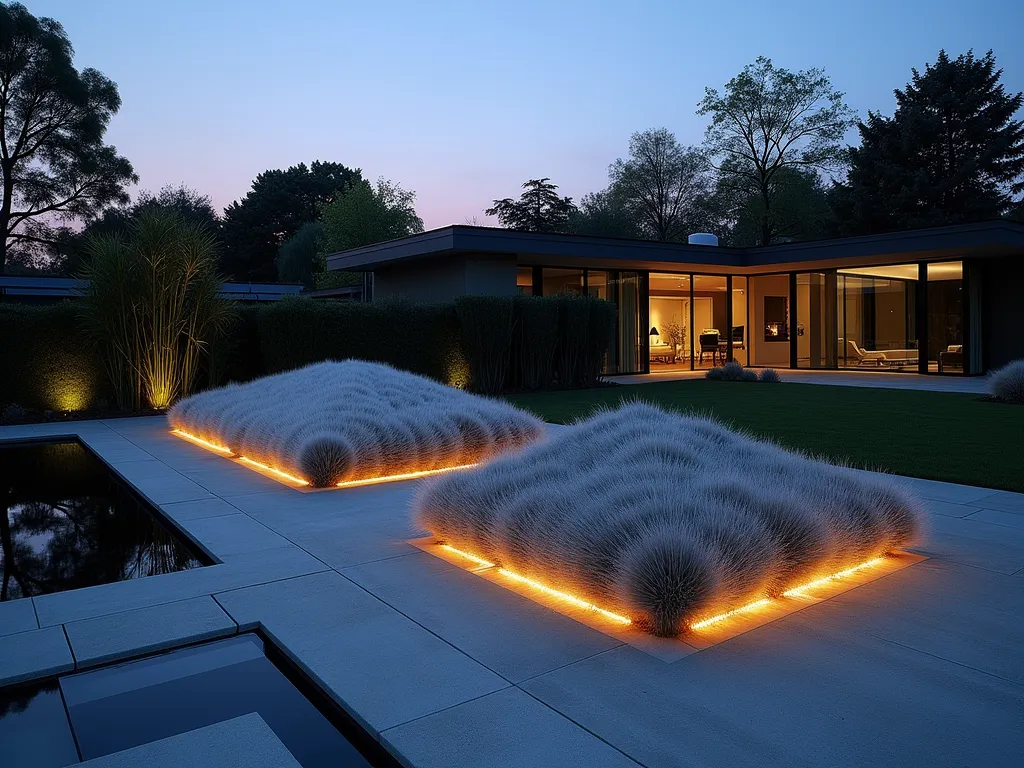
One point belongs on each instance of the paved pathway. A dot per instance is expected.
(923, 667)
(972, 384)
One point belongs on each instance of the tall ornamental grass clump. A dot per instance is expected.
(1007, 383)
(152, 307)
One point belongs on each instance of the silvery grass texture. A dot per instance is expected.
(1007, 383)
(667, 519)
(333, 422)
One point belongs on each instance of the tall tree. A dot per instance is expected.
(298, 255)
(769, 120)
(538, 209)
(664, 184)
(279, 202)
(951, 153)
(189, 204)
(55, 167)
(364, 215)
(606, 214)
(800, 209)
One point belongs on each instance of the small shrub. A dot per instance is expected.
(769, 376)
(13, 412)
(715, 374)
(733, 371)
(748, 375)
(1007, 383)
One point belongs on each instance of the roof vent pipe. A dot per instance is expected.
(702, 238)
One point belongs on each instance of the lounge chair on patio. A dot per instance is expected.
(862, 355)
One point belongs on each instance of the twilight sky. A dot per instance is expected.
(463, 101)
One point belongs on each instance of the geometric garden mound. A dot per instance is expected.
(338, 422)
(667, 520)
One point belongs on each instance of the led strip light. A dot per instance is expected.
(697, 626)
(223, 449)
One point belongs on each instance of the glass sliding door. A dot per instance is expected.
(815, 312)
(555, 281)
(740, 326)
(877, 318)
(711, 329)
(628, 289)
(670, 333)
(945, 304)
(769, 321)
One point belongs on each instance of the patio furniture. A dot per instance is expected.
(709, 343)
(952, 355)
(862, 355)
(663, 353)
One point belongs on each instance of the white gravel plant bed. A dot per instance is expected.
(667, 519)
(339, 422)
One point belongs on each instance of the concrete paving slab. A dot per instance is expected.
(964, 615)
(228, 478)
(953, 492)
(242, 742)
(241, 571)
(31, 655)
(229, 535)
(507, 728)
(145, 630)
(949, 508)
(183, 511)
(159, 483)
(17, 616)
(476, 616)
(974, 542)
(999, 517)
(794, 694)
(381, 666)
(1005, 501)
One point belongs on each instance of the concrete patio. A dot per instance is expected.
(847, 378)
(922, 667)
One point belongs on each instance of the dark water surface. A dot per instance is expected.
(66, 521)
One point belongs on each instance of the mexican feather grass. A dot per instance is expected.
(336, 422)
(667, 519)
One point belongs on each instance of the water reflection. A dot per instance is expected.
(66, 522)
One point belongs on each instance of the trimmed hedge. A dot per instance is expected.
(420, 338)
(46, 362)
(482, 342)
(485, 324)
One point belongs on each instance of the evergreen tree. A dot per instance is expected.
(538, 209)
(951, 153)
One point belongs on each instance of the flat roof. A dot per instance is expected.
(953, 242)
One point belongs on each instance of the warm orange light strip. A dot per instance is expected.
(795, 592)
(200, 441)
(704, 623)
(798, 591)
(471, 558)
(563, 596)
(278, 472)
(405, 476)
(728, 614)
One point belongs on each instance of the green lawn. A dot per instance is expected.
(938, 435)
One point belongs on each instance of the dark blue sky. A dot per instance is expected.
(462, 101)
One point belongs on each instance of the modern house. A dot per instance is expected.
(947, 300)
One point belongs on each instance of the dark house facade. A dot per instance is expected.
(948, 300)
